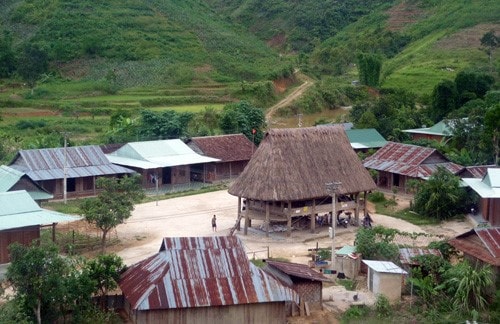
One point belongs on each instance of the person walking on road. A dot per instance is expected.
(214, 224)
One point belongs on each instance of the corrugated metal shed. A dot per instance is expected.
(18, 209)
(481, 243)
(409, 160)
(227, 148)
(198, 272)
(297, 270)
(157, 154)
(384, 266)
(406, 255)
(365, 138)
(8, 177)
(488, 186)
(80, 161)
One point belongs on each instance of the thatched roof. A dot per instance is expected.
(296, 163)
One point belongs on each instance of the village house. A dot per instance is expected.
(397, 163)
(200, 280)
(299, 172)
(363, 140)
(162, 162)
(13, 180)
(481, 245)
(386, 278)
(78, 166)
(232, 151)
(439, 132)
(488, 189)
(21, 220)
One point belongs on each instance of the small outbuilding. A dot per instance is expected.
(365, 139)
(307, 282)
(199, 280)
(347, 262)
(407, 256)
(386, 278)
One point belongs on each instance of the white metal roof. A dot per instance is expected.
(488, 186)
(384, 266)
(18, 209)
(157, 154)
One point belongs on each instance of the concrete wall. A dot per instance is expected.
(388, 284)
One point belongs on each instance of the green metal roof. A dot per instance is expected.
(18, 209)
(8, 177)
(365, 138)
(441, 129)
(346, 250)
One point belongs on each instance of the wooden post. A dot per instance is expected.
(356, 210)
(54, 232)
(267, 219)
(247, 221)
(313, 217)
(238, 226)
(289, 219)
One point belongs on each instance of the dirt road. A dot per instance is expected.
(141, 235)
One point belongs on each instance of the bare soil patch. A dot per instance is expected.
(402, 15)
(466, 38)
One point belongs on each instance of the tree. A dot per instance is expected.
(32, 64)
(36, 275)
(7, 56)
(166, 124)
(444, 100)
(441, 196)
(244, 118)
(369, 67)
(490, 42)
(492, 129)
(113, 205)
(105, 271)
(377, 243)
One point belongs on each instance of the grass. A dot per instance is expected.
(389, 208)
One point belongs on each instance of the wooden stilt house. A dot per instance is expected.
(290, 175)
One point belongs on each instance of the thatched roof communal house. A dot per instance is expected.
(291, 171)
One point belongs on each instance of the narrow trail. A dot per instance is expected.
(294, 95)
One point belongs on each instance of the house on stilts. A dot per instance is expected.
(299, 172)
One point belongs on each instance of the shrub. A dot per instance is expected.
(382, 307)
(355, 312)
(376, 197)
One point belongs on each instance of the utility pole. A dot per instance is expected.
(332, 188)
(65, 180)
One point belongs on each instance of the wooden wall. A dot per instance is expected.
(23, 235)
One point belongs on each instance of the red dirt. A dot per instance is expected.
(403, 15)
(466, 38)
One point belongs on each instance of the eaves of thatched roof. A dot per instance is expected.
(296, 163)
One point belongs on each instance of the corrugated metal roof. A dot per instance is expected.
(8, 177)
(297, 270)
(157, 154)
(481, 243)
(80, 161)
(18, 209)
(365, 138)
(346, 250)
(227, 148)
(488, 186)
(198, 272)
(384, 266)
(407, 254)
(410, 160)
(441, 129)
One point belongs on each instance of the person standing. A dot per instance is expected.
(214, 224)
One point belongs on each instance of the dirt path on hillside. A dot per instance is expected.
(294, 95)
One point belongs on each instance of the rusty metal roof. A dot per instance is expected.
(406, 255)
(80, 161)
(198, 272)
(409, 160)
(227, 148)
(481, 243)
(297, 270)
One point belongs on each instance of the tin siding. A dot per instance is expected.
(265, 313)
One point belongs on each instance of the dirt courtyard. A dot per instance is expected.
(189, 216)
